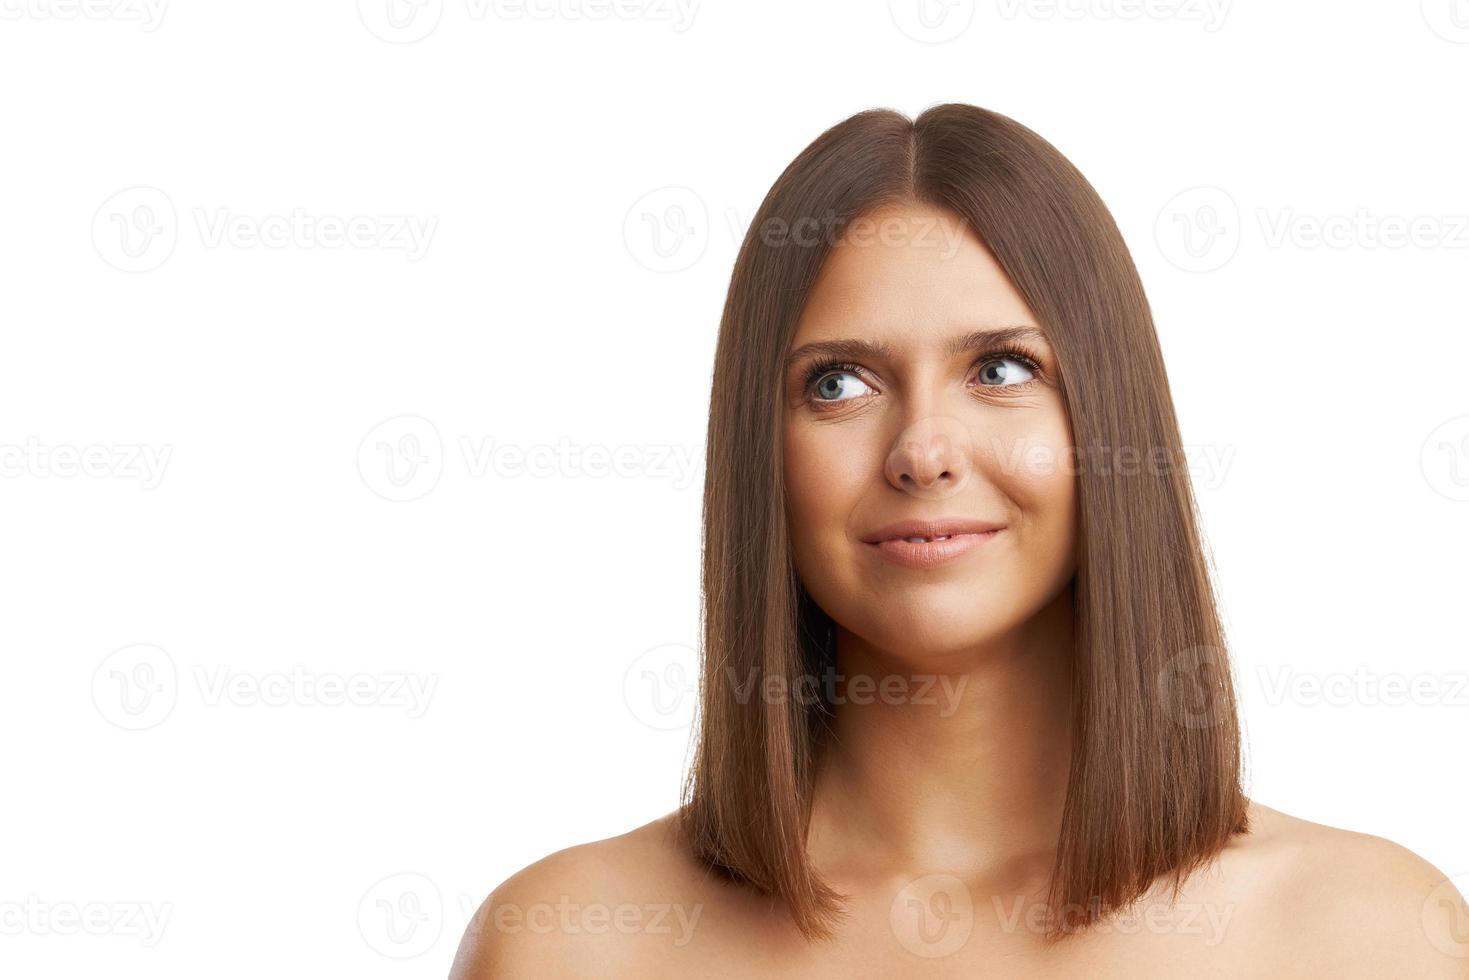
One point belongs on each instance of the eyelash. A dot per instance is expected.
(821, 368)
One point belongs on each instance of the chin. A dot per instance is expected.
(929, 635)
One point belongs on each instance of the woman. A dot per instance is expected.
(966, 708)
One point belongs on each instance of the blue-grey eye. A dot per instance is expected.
(837, 386)
(996, 373)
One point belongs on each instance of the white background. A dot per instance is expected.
(210, 441)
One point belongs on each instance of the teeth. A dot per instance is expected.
(941, 537)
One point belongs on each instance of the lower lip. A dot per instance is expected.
(926, 554)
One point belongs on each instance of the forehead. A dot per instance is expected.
(908, 271)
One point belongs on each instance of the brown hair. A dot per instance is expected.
(1154, 783)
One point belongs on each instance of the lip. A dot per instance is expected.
(963, 536)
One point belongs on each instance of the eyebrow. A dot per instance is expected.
(865, 349)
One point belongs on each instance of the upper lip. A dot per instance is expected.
(931, 529)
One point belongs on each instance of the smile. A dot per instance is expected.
(927, 552)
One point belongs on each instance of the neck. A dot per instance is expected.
(967, 777)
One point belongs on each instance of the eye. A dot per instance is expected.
(1004, 371)
(835, 383)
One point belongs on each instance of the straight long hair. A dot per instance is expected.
(1154, 783)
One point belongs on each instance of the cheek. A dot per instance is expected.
(826, 473)
(1036, 470)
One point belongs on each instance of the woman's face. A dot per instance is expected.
(911, 412)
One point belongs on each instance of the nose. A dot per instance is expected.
(932, 458)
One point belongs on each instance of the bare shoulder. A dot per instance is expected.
(604, 908)
(1354, 903)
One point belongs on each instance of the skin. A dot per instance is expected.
(936, 812)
